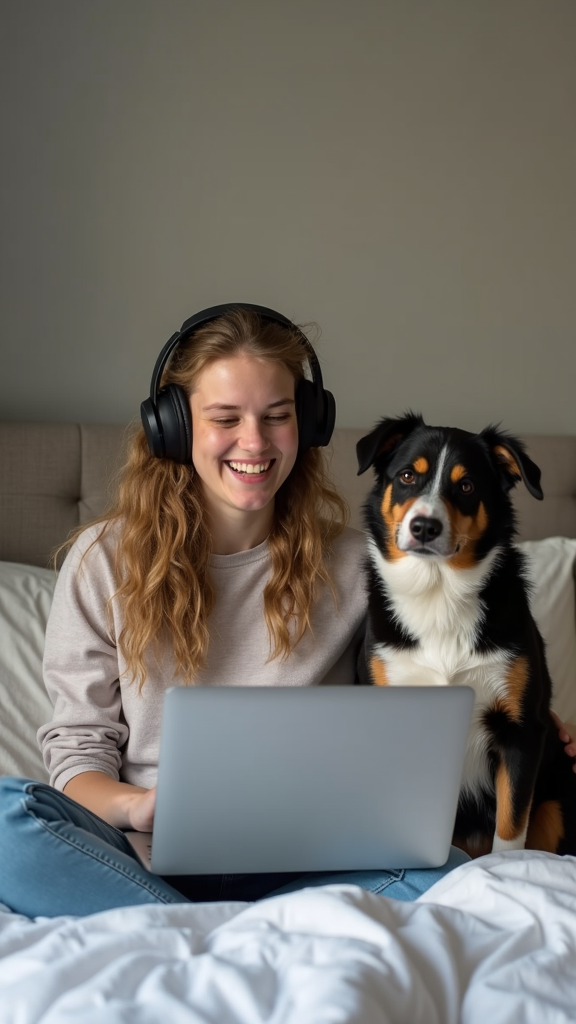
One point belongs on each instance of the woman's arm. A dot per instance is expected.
(83, 744)
(118, 803)
(81, 668)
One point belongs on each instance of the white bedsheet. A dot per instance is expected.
(492, 943)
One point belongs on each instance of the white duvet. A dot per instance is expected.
(492, 943)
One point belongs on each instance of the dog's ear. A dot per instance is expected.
(512, 462)
(379, 445)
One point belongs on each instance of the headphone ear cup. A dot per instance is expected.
(325, 429)
(151, 428)
(315, 415)
(305, 399)
(175, 423)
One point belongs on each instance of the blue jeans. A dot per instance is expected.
(56, 857)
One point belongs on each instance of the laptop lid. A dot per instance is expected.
(282, 779)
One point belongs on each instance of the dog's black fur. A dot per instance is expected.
(449, 604)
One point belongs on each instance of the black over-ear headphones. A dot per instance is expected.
(166, 415)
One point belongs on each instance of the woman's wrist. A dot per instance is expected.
(115, 802)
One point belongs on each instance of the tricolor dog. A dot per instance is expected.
(448, 605)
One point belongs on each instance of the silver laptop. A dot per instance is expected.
(268, 779)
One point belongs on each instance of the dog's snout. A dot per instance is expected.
(425, 529)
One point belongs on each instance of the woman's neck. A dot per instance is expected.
(239, 531)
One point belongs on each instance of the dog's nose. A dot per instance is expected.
(425, 529)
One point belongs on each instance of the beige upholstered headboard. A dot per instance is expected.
(54, 476)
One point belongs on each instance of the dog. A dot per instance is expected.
(448, 604)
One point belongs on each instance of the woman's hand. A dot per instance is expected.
(567, 734)
(141, 810)
(118, 803)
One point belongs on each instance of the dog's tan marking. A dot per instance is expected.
(378, 671)
(481, 519)
(393, 516)
(457, 472)
(421, 465)
(397, 512)
(508, 825)
(516, 679)
(546, 827)
(506, 456)
(386, 501)
(466, 532)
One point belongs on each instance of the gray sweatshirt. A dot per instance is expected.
(103, 723)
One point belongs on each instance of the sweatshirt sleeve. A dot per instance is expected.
(81, 670)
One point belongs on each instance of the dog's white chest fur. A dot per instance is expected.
(440, 607)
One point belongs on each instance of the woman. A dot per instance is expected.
(221, 564)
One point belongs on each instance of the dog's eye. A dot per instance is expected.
(407, 476)
(466, 486)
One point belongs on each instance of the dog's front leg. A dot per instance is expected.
(517, 744)
(514, 786)
(514, 782)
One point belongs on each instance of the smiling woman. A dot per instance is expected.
(225, 561)
(240, 377)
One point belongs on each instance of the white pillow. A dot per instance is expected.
(25, 599)
(552, 563)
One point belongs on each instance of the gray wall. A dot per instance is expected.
(402, 172)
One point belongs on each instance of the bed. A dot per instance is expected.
(495, 939)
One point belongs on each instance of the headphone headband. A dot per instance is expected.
(212, 313)
(166, 416)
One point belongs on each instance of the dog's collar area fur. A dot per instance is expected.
(429, 598)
